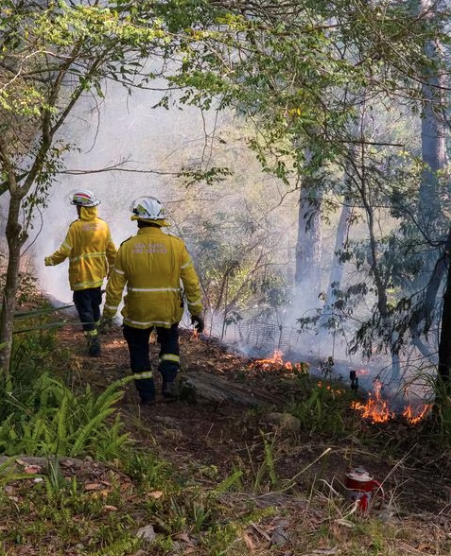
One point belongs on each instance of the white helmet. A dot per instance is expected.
(84, 198)
(148, 208)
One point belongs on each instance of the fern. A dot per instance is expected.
(119, 548)
(269, 461)
(61, 424)
(86, 431)
(227, 483)
(113, 392)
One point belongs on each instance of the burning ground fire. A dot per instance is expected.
(276, 363)
(376, 409)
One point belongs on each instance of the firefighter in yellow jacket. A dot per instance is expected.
(154, 266)
(91, 253)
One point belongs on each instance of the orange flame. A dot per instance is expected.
(377, 410)
(410, 417)
(276, 363)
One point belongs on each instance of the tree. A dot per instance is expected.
(301, 72)
(52, 54)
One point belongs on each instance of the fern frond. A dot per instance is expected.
(85, 432)
(227, 483)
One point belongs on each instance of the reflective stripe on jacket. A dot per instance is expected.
(153, 265)
(90, 250)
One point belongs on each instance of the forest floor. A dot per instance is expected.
(208, 440)
(260, 472)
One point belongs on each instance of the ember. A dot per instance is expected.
(377, 409)
(328, 387)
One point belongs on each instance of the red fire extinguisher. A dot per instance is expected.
(362, 488)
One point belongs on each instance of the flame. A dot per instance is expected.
(377, 410)
(410, 417)
(276, 362)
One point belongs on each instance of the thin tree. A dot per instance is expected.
(52, 54)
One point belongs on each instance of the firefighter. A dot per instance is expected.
(91, 253)
(154, 266)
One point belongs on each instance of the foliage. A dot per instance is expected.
(301, 77)
(320, 406)
(54, 421)
(32, 351)
(236, 240)
(313, 89)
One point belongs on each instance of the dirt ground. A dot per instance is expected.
(211, 437)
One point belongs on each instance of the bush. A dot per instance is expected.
(55, 421)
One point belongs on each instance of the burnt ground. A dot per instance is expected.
(216, 437)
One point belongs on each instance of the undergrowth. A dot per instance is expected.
(103, 510)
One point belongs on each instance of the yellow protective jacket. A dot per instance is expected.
(90, 249)
(154, 265)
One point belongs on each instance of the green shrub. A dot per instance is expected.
(55, 421)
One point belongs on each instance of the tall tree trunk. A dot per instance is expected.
(336, 272)
(433, 146)
(309, 242)
(444, 349)
(444, 363)
(433, 149)
(15, 238)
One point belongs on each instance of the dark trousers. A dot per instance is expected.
(169, 359)
(87, 303)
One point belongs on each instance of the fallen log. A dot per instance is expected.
(200, 384)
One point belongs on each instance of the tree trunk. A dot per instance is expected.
(15, 238)
(336, 273)
(308, 247)
(433, 147)
(444, 349)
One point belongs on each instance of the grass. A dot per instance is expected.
(77, 518)
(273, 499)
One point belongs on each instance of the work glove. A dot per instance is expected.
(198, 322)
(105, 325)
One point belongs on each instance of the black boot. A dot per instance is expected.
(170, 391)
(94, 349)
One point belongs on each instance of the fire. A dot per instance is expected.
(410, 417)
(377, 409)
(277, 363)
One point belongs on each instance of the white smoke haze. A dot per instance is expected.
(125, 128)
(118, 128)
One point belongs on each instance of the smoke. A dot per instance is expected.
(124, 130)
(120, 131)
